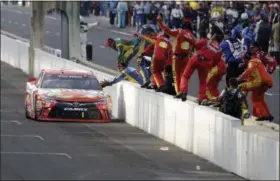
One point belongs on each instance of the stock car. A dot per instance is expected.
(66, 95)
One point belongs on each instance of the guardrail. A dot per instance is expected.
(251, 152)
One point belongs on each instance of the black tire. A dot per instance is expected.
(27, 114)
(35, 116)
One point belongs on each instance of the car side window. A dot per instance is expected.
(39, 80)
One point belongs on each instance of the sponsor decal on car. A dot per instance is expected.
(54, 94)
(75, 109)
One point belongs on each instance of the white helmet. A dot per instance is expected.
(244, 16)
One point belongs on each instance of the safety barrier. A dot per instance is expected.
(251, 152)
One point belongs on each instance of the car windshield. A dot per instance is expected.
(70, 82)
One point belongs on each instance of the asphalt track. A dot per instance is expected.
(17, 21)
(33, 150)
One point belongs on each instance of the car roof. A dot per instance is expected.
(67, 72)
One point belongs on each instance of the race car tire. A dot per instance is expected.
(27, 114)
(35, 102)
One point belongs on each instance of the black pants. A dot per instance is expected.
(112, 18)
(176, 22)
(264, 46)
(169, 83)
(233, 70)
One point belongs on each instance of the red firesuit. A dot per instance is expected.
(162, 51)
(202, 61)
(217, 71)
(258, 80)
(269, 62)
(182, 48)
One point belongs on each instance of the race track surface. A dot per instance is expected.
(33, 150)
(17, 21)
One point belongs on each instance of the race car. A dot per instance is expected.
(66, 95)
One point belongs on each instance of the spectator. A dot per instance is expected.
(216, 7)
(122, 10)
(139, 15)
(276, 40)
(147, 10)
(113, 11)
(203, 11)
(187, 11)
(154, 13)
(249, 10)
(166, 14)
(264, 33)
(231, 15)
(275, 13)
(177, 16)
(265, 10)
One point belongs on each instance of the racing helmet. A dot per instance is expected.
(244, 16)
(149, 30)
(109, 42)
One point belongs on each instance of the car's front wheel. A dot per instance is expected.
(27, 113)
(35, 105)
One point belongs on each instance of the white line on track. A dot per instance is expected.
(11, 111)
(12, 10)
(57, 34)
(272, 94)
(102, 46)
(24, 136)
(12, 121)
(23, 25)
(38, 153)
(114, 31)
(50, 17)
(120, 143)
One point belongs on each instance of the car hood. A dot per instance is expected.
(71, 94)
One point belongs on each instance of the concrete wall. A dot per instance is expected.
(71, 9)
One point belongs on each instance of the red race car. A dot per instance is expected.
(66, 95)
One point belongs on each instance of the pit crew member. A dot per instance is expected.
(182, 48)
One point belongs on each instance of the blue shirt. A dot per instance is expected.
(113, 6)
(130, 74)
(147, 8)
(232, 50)
(249, 36)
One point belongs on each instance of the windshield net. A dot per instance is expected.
(70, 82)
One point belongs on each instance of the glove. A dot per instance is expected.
(160, 17)
(136, 34)
(105, 83)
